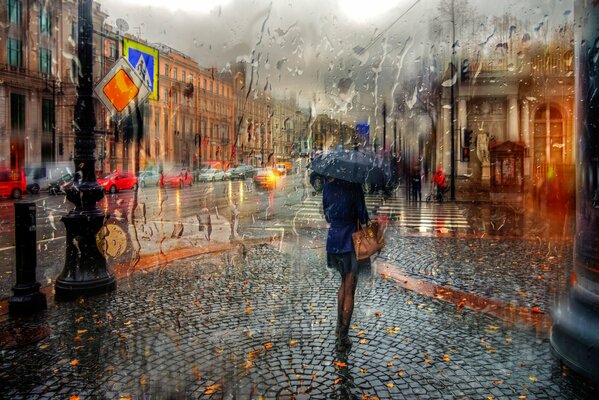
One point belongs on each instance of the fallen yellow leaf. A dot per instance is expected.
(400, 372)
(81, 331)
(363, 371)
(74, 362)
(427, 361)
(292, 343)
(377, 314)
(533, 378)
(268, 345)
(446, 357)
(127, 323)
(362, 341)
(340, 364)
(360, 333)
(196, 373)
(213, 388)
(248, 310)
(389, 364)
(74, 397)
(390, 385)
(337, 381)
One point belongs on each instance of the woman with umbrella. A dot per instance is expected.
(344, 205)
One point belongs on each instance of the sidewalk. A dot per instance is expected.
(256, 323)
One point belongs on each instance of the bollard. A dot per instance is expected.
(27, 297)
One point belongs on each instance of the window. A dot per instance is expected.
(47, 115)
(183, 76)
(17, 111)
(112, 49)
(205, 84)
(211, 86)
(14, 52)
(166, 72)
(74, 28)
(175, 98)
(45, 21)
(45, 61)
(175, 73)
(14, 12)
(74, 70)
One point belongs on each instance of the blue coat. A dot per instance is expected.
(343, 204)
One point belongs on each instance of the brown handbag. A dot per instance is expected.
(368, 240)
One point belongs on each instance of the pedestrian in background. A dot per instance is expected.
(417, 182)
(343, 204)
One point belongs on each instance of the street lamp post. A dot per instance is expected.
(85, 271)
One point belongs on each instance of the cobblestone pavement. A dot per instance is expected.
(523, 272)
(257, 323)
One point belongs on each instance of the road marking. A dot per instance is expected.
(38, 242)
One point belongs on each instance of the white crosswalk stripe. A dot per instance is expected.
(419, 217)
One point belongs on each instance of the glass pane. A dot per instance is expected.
(216, 213)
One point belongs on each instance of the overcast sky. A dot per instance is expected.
(312, 47)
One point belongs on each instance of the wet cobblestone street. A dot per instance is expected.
(256, 323)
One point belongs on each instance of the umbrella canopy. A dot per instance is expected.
(350, 165)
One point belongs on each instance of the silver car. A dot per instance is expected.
(211, 175)
(149, 178)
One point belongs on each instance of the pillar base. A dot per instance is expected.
(575, 336)
(70, 290)
(27, 300)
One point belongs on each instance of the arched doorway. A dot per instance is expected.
(549, 139)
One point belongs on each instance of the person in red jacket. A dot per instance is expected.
(439, 182)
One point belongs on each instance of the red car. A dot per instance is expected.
(177, 178)
(116, 181)
(12, 183)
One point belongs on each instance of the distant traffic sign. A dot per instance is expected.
(145, 61)
(122, 89)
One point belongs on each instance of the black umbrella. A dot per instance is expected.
(350, 165)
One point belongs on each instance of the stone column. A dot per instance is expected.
(512, 121)
(446, 132)
(525, 137)
(575, 331)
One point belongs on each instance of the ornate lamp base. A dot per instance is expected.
(85, 271)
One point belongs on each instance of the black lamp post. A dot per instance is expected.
(85, 271)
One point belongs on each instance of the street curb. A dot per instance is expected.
(123, 270)
(510, 314)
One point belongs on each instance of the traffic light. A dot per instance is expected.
(467, 137)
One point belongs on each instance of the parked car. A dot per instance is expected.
(211, 175)
(242, 172)
(39, 176)
(117, 181)
(265, 178)
(59, 185)
(178, 178)
(148, 177)
(13, 183)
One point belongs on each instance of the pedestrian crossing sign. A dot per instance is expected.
(122, 89)
(145, 61)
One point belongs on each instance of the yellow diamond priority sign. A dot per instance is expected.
(122, 89)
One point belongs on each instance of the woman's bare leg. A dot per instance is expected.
(347, 291)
